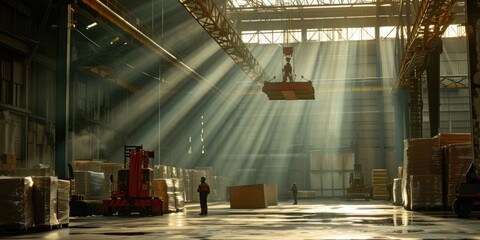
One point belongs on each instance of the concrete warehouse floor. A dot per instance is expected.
(310, 219)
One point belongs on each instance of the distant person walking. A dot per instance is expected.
(294, 190)
(203, 191)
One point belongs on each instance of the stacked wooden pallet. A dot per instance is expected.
(426, 192)
(422, 157)
(458, 159)
(379, 184)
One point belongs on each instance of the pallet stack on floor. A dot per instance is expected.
(458, 158)
(33, 203)
(379, 184)
(426, 192)
(422, 157)
(432, 168)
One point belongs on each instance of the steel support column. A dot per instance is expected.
(380, 102)
(433, 85)
(416, 108)
(402, 122)
(473, 37)
(62, 90)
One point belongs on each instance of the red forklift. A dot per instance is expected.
(133, 190)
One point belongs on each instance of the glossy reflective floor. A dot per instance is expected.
(310, 219)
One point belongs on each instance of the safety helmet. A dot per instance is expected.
(203, 179)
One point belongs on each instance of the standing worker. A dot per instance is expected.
(294, 190)
(287, 71)
(203, 190)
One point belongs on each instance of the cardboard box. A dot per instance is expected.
(248, 196)
(272, 194)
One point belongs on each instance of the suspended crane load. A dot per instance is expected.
(288, 89)
(133, 190)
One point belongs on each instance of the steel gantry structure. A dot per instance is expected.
(432, 19)
(211, 18)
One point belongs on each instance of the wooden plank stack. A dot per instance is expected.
(422, 157)
(379, 184)
(426, 192)
(458, 158)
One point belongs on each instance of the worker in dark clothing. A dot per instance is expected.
(287, 71)
(294, 190)
(203, 190)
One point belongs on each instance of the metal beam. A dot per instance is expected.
(433, 85)
(62, 90)
(416, 109)
(211, 18)
(432, 19)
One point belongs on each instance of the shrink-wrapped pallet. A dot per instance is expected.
(208, 174)
(17, 202)
(397, 191)
(63, 206)
(458, 159)
(221, 188)
(174, 173)
(195, 181)
(421, 157)
(179, 192)
(161, 171)
(164, 189)
(90, 185)
(110, 169)
(426, 192)
(45, 200)
(188, 185)
(379, 184)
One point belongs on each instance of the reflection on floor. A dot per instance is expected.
(310, 219)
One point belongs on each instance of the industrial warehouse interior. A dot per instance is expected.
(112, 113)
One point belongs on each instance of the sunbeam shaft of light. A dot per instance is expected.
(109, 14)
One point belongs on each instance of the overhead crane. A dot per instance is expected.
(211, 18)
